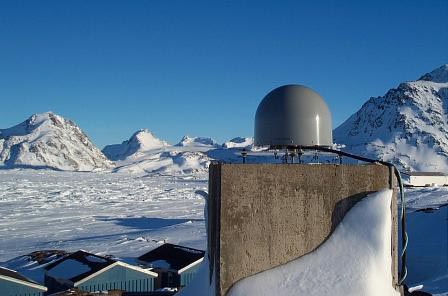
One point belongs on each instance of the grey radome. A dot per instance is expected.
(293, 116)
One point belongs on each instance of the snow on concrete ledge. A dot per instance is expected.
(355, 260)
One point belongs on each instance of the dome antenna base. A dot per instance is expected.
(292, 116)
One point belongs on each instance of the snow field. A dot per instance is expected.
(103, 213)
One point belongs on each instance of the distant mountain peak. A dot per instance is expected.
(146, 139)
(143, 152)
(46, 117)
(140, 141)
(142, 131)
(439, 75)
(47, 140)
(239, 142)
(197, 141)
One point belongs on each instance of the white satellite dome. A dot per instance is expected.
(293, 116)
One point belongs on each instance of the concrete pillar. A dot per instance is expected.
(264, 215)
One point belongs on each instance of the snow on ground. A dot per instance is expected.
(419, 199)
(104, 213)
(126, 215)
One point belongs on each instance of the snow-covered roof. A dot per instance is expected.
(77, 266)
(172, 257)
(13, 276)
(81, 266)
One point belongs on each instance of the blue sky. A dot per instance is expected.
(201, 67)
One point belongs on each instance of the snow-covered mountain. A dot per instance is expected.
(48, 140)
(140, 142)
(239, 142)
(144, 153)
(197, 141)
(408, 125)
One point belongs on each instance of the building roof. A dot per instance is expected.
(13, 274)
(424, 174)
(81, 266)
(117, 263)
(77, 266)
(172, 257)
(16, 277)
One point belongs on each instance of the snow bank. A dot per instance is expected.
(355, 260)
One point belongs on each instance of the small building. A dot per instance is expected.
(89, 272)
(176, 265)
(426, 179)
(14, 284)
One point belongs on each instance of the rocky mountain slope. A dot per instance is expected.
(408, 125)
(48, 140)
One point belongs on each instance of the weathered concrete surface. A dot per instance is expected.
(264, 215)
